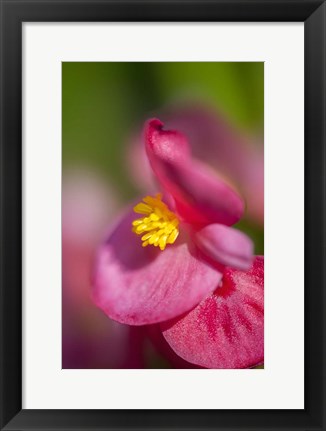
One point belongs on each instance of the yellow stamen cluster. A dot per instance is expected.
(159, 225)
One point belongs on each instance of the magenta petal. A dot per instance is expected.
(225, 245)
(162, 348)
(236, 156)
(164, 145)
(200, 195)
(226, 330)
(137, 285)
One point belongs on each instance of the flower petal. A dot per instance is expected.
(226, 330)
(164, 145)
(163, 349)
(214, 141)
(141, 285)
(225, 245)
(200, 195)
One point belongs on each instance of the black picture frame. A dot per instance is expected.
(13, 14)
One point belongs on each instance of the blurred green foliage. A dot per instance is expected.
(103, 103)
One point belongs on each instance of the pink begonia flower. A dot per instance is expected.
(89, 338)
(226, 330)
(156, 267)
(237, 156)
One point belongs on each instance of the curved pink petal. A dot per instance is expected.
(164, 145)
(226, 330)
(141, 285)
(225, 245)
(235, 155)
(200, 195)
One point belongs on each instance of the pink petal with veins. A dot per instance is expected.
(225, 245)
(142, 285)
(226, 330)
(162, 348)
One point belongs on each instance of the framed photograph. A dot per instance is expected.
(162, 217)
